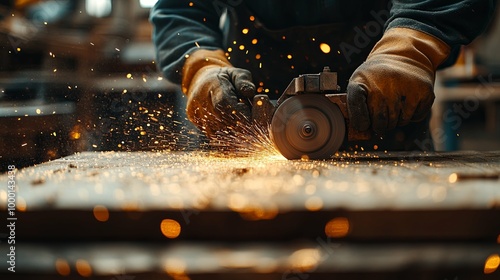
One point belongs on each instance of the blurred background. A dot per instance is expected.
(80, 75)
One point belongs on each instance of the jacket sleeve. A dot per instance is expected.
(455, 22)
(181, 26)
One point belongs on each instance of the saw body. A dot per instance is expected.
(310, 119)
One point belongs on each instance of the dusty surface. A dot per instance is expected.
(175, 180)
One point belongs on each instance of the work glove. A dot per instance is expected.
(218, 93)
(395, 85)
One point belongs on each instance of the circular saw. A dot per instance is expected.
(310, 119)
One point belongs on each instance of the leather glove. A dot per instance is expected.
(395, 85)
(216, 92)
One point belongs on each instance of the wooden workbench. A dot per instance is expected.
(434, 214)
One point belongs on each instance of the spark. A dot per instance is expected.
(325, 47)
(245, 139)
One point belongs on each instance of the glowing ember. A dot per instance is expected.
(325, 47)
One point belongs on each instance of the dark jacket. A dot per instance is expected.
(283, 38)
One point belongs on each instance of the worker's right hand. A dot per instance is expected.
(395, 85)
(218, 93)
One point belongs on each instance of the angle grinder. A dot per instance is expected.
(310, 119)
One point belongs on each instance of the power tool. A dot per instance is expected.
(310, 119)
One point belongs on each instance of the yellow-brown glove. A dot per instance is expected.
(395, 85)
(216, 91)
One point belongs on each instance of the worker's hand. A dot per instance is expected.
(218, 93)
(395, 85)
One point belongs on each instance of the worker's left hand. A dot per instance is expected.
(218, 93)
(395, 85)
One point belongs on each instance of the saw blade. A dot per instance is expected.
(308, 126)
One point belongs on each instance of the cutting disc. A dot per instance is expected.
(308, 126)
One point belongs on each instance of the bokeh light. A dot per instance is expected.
(101, 213)
(62, 267)
(170, 228)
(491, 264)
(83, 268)
(325, 48)
(304, 259)
(337, 227)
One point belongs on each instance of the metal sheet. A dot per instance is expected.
(171, 180)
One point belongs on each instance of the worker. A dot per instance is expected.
(386, 54)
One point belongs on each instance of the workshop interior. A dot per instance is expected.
(115, 183)
(81, 75)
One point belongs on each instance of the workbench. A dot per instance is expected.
(205, 215)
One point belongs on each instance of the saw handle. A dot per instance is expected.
(352, 134)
